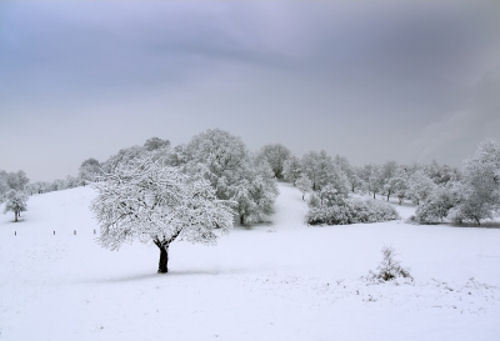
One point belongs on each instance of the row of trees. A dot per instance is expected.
(441, 192)
(472, 197)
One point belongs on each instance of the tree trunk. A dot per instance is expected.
(373, 195)
(303, 196)
(477, 221)
(388, 196)
(242, 219)
(163, 264)
(16, 214)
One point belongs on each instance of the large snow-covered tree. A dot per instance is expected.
(147, 200)
(275, 155)
(16, 202)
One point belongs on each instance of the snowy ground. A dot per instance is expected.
(282, 281)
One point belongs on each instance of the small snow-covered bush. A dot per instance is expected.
(390, 268)
(351, 211)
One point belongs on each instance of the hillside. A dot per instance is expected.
(279, 281)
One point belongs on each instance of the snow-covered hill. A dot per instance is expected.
(279, 281)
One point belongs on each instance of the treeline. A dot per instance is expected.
(441, 192)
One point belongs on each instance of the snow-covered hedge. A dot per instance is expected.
(351, 211)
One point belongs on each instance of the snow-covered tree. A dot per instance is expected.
(387, 172)
(155, 143)
(399, 184)
(292, 169)
(17, 180)
(4, 187)
(304, 184)
(441, 174)
(275, 155)
(321, 170)
(147, 200)
(123, 156)
(255, 193)
(90, 170)
(420, 186)
(349, 171)
(479, 190)
(370, 176)
(16, 202)
(437, 206)
(224, 160)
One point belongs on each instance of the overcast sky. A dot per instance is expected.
(373, 81)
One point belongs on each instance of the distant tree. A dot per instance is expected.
(123, 156)
(150, 201)
(420, 186)
(387, 173)
(479, 190)
(304, 184)
(90, 171)
(4, 187)
(399, 184)
(441, 174)
(321, 170)
(292, 169)
(16, 201)
(155, 143)
(349, 171)
(17, 180)
(255, 193)
(370, 175)
(275, 155)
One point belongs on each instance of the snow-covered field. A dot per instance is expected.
(281, 281)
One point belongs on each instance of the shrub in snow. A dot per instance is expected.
(16, 202)
(390, 268)
(147, 200)
(341, 211)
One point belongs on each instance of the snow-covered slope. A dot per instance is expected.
(284, 281)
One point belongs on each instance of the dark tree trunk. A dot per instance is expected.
(373, 195)
(16, 214)
(477, 221)
(163, 264)
(242, 219)
(303, 196)
(388, 196)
